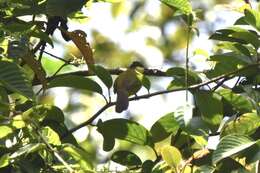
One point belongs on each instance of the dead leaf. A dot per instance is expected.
(79, 39)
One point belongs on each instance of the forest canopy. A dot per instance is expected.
(129, 86)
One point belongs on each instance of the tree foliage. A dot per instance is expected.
(37, 136)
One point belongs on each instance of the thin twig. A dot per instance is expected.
(187, 61)
(56, 154)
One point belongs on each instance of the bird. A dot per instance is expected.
(125, 85)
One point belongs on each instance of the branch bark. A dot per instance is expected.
(145, 96)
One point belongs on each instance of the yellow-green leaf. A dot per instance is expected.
(171, 155)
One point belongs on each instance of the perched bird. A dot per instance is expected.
(126, 84)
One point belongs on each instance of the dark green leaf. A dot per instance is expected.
(236, 34)
(239, 102)
(205, 169)
(126, 158)
(14, 79)
(230, 145)
(227, 62)
(179, 72)
(104, 75)
(252, 154)
(252, 17)
(4, 102)
(54, 114)
(164, 127)
(210, 106)
(230, 165)
(147, 166)
(126, 130)
(77, 82)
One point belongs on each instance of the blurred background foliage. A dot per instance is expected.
(130, 30)
(120, 33)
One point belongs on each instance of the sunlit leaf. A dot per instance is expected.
(14, 79)
(76, 82)
(230, 145)
(171, 155)
(18, 122)
(126, 158)
(182, 5)
(29, 148)
(51, 136)
(4, 160)
(80, 156)
(252, 17)
(5, 130)
(245, 124)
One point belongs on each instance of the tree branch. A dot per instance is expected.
(148, 72)
(145, 96)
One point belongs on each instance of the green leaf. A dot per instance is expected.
(252, 17)
(171, 155)
(63, 7)
(5, 130)
(104, 75)
(27, 149)
(226, 63)
(38, 112)
(252, 154)
(77, 82)
(239, 102)
(4, 160)
(183, 6)
(236, 34)
(178, 73)
(210, 106)
(230, 145)
(18, 122)
(14, 79)
(229, 165)
(144, 80)
(163, 127)
(4, 102)
(54, 114)
(148, 166)
(245, 124)
(124, 129)
(205, 169)
(51, 136)
(79, 155)
(126, 158)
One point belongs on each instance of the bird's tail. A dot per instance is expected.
(122, 100)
